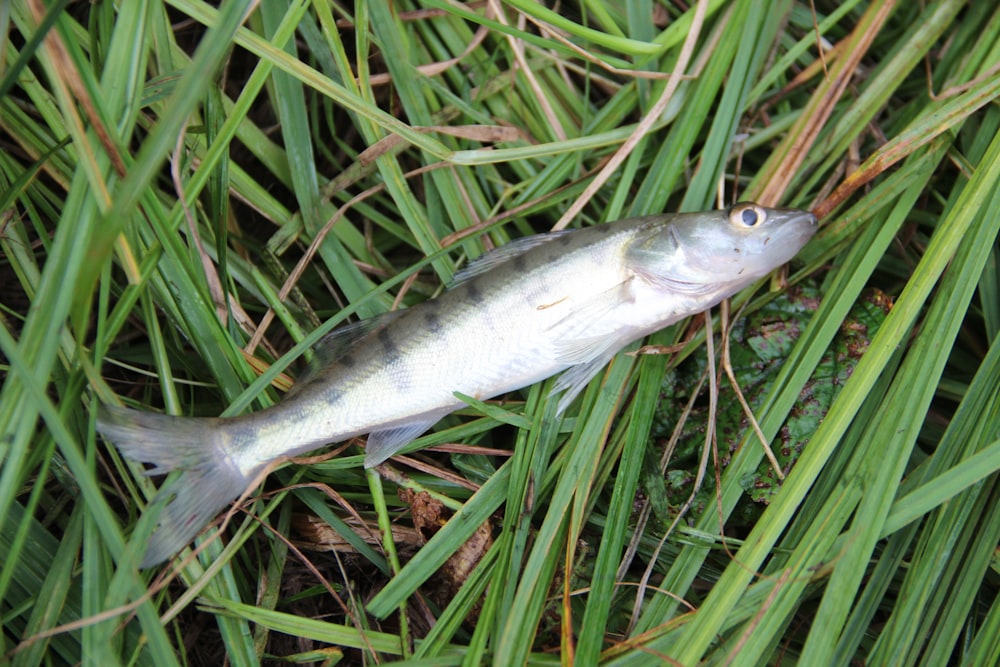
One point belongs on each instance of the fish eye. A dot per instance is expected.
(747, 215)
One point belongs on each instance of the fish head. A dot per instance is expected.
(731, 248)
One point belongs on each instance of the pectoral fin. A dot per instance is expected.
(573, 380)
(600, 337)
(584, 350)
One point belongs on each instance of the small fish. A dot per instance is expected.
(564, 301)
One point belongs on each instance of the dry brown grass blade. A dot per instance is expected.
(786, 160)
(69, 77)
(517, 49)
(914, 137)
(709, 447)
(433, 69)
(727, 366)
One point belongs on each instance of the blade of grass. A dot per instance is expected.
(595, 619)
(97, 506)
(154, 151)
(330, 633)
(514, 641)
(444, 543)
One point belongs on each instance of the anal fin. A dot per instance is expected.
(386, 443)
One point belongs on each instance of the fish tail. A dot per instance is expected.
(198, 447)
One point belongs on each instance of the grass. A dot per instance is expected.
(191, 196)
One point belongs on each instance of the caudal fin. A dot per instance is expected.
(197, 446)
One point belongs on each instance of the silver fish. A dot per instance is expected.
(564, 301)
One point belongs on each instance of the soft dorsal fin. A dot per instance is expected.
(335, 345)
(494, 258)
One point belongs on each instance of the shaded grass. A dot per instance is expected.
(166, 168)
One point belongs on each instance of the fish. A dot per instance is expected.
(562, 302)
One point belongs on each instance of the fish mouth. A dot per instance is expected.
(809, 218)
(795, 216)
(795, 230)
(809, 224)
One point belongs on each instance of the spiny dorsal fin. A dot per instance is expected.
(494, 258)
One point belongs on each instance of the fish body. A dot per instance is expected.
(560, 302)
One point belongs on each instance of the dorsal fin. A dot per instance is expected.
(336, 344)
(494, 258)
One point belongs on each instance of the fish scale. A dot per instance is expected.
(566, 301)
